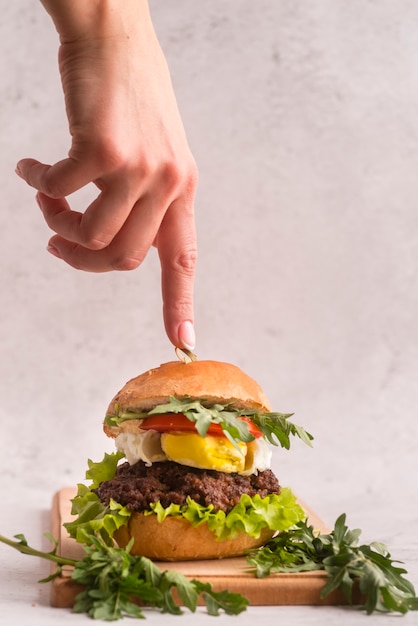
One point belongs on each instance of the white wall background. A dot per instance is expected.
(303, 118)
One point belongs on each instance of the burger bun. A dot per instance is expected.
(213, 382)
(175, 539)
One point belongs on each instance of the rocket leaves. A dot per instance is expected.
(116, 583)
(380, 582)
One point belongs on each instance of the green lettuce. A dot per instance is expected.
(250, 515)
(93, 517)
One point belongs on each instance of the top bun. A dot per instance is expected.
(212, 381)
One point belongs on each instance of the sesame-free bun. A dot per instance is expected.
(175, 539)
(211, 381)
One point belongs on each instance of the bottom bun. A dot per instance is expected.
(175, 539)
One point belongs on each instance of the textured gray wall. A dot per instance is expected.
(303, 119)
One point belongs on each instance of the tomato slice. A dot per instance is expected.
(168, 421)
(178, 421)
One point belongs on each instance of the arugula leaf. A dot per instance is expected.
(302, 549)
(276, 427)
(22, 546)
(116, 582)
(230, 603)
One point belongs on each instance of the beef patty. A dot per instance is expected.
(137, 486)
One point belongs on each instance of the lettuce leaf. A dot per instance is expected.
(250, 515)
(93, 517)
(104, 469)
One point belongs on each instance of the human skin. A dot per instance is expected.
(127, 137)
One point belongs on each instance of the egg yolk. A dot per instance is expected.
(216, 453)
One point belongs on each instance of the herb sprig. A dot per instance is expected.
(116, 580)
(302, 549)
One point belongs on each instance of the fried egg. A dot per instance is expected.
(144, 445)
(210, 452)
(258, 457)
(215, 453)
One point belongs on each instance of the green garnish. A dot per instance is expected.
(115, 580)
(302, 549)
(276, 427)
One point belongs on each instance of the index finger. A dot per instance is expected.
(177, 249)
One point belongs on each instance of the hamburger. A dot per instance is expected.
(191, 475)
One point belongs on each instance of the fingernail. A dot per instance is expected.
(187, 335)
(52, 250)
(18, 171)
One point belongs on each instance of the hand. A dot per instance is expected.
(127, 138)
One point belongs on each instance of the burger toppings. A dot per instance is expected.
(189, 448)
(227, 419)
(179, 421)
(138, 487)
(218, 437)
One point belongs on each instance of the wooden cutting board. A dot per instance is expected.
(231, 573)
